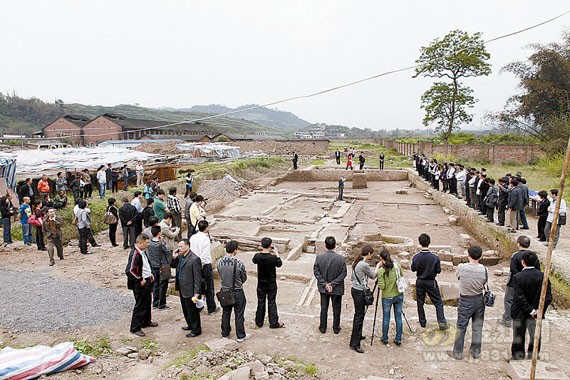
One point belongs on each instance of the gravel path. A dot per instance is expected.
(35, 302)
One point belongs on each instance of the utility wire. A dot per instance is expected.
(323, 91)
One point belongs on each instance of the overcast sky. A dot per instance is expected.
(181, 53)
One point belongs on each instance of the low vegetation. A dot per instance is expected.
(96, 348)
(188, 356)
(465, 138)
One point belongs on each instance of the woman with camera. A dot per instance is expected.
(388, 275)
(360, 291)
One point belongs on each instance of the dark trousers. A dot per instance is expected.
(87, 190)
(177, 219)
(208, 275)
(159, 289)
(522, 217)
(336, 304)
(126, 183)
(294, 164)
(491, 213)
(361, 166)
(141, 312)
(138, 225)
(6, 225)
(520, 327)
(541, 225)
(91, 238)
(501, 215)
(113, 233)
(430, 288)
(452, 185)
(381, 164)
(239, 311)
(340, 193)
(129, 236)
(191, 315)
(115, 187)
(337, 160)
(508, 303)
(358, 320)
(40, 238)
(83, 237)
(267, 292)
(469, 309)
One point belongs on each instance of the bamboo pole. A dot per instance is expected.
(548, 263)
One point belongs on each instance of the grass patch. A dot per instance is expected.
(99, 347)
(298, 367)
(318, 162)
(150, 344)
(188, 356)
(201, 376)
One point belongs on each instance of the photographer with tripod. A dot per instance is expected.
(388, 275)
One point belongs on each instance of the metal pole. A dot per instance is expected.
(548, 263)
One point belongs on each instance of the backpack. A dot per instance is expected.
(109, 218)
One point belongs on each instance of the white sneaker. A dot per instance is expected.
(246, 337)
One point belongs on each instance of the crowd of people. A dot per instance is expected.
(509, 196)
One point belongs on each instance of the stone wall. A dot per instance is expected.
(333, 175)
(486, 153)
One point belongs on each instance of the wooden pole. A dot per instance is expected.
(548, 263)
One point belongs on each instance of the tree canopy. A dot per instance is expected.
(542, 108)
(458, 55)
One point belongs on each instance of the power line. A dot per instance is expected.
(349, 84)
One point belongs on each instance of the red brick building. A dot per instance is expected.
(69, 126)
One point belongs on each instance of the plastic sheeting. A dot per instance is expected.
(32, 362)
(8, 169)
(76, 158)
(211, 149)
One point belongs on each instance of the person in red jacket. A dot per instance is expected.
(43, 186)
(349, 162)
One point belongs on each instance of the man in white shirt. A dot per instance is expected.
(550, 219)
(460, 177)
(138, 205)
(200, 244)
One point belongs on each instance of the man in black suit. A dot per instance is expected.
(337, 156)
(139, 280)
(189, 283)
(330, 270)
(427, 266)
(295, 160)
(527, 286)
(128, 215)
(523, 243)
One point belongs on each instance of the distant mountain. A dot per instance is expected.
(272, 118)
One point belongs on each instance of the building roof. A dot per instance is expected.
(78, 120)
(130, 123)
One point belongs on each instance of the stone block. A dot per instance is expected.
(445, 255)
(143, 354)
(124, 351)
(405, 264)
(490, 258)
(520, 370)
(404, 255)
(449, 293)
(465, 240)
(222, 343)
(359, 181)
(446, 210)
(498, 272)
(458, 259)
(447, 266)
(402, 191)
(373, 237)
(453, 219)
(242, 373)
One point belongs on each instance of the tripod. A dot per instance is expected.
(376, 312)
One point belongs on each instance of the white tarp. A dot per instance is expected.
(206, 149)
(76, 158)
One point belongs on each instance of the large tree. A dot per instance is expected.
(542, 108)
(458, 55)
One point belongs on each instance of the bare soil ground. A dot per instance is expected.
(377, 209)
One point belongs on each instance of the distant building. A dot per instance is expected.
(68, 126)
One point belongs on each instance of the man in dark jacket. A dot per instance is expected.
(515, 204)
(139, 280)
(503, 201)
(524, 192)
(330, 271)
(158, 254)
(428, 266)
(267, 261)
(527, 287)
(523, 243)
(128, 215)
(189, 283)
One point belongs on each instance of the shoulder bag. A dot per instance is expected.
(165, 271)
(401, 282)
(368, 294)
(488, 297)
(226, 297)
(35, 220)
(109, 218)
(562, 219)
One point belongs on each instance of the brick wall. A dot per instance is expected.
(491, 153)
(333, 175)
(61, 128)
